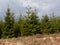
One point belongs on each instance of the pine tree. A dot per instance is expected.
(34, 22)
(55, 24)
(19, 26)
(45, 24)
(9, 22)
(31, 24)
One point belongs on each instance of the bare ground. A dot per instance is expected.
(52, 39)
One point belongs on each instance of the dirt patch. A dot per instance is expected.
(33, 40)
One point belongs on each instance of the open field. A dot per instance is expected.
(52, 39)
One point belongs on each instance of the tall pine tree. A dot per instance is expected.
(9, 23)
(31, 24)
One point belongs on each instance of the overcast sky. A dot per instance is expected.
(42, 6)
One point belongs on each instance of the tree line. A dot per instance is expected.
(28, 24)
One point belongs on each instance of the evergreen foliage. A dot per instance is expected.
(29, 24)
(9, 23)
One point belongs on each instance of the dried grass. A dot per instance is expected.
(53, 39)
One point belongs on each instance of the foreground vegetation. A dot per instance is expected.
(28, 24)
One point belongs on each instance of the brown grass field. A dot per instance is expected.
(52, 39)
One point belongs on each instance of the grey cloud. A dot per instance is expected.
(43, 6)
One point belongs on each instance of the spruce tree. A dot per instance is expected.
(18, 26)
(34, 22)
(55, 24)
(45, 24)
(31, 24)
(9, 23)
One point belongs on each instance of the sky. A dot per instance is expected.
(42, 6)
